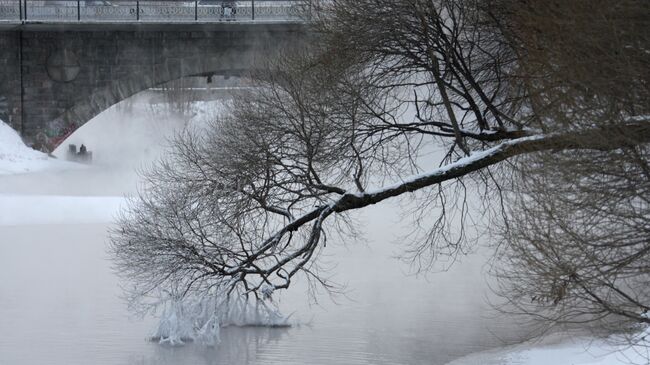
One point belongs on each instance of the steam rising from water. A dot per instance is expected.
(135, 131)
(126, 137)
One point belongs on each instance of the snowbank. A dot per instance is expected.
(16, 158)
(558, 349)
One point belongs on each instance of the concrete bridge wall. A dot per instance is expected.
(10, 98)
(53, 81)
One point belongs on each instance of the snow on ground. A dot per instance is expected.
(51, 209)
(38, 189)
(563, 349)
(16, 158)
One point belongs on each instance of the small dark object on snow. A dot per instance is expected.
(83, 155)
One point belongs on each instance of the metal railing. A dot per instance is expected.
(86, 11)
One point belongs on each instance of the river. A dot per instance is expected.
(60, 302)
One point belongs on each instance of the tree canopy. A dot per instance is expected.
(542, 106)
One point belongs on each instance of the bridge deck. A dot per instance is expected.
(131, 12)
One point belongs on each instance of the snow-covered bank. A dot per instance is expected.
(563, 349)
(16, 158)
(47, 209)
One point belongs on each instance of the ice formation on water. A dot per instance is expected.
(200, 319)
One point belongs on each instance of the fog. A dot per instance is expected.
(124, 139)
(60, 302)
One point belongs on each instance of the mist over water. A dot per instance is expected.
(60, 301)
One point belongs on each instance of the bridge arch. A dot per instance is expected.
(230, 63)
(67, 75)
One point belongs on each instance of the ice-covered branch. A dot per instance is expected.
(597, 138)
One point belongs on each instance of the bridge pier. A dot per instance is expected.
(10, 82)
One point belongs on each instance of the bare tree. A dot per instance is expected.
(341, 125)
(576, 238)
(576, 247)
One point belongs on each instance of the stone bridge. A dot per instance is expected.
(63, 62)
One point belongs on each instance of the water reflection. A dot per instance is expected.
(239, 345)
(60, 304)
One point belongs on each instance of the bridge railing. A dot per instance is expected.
(25, 11)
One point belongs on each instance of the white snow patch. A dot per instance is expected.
(564, 349)
(52, 209)
(16, 158)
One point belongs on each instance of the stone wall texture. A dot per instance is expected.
(10, 98)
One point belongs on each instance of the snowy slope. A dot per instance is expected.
(16, 158)
(558, 349)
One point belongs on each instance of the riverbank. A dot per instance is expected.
(565, 349)
(16, 158)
